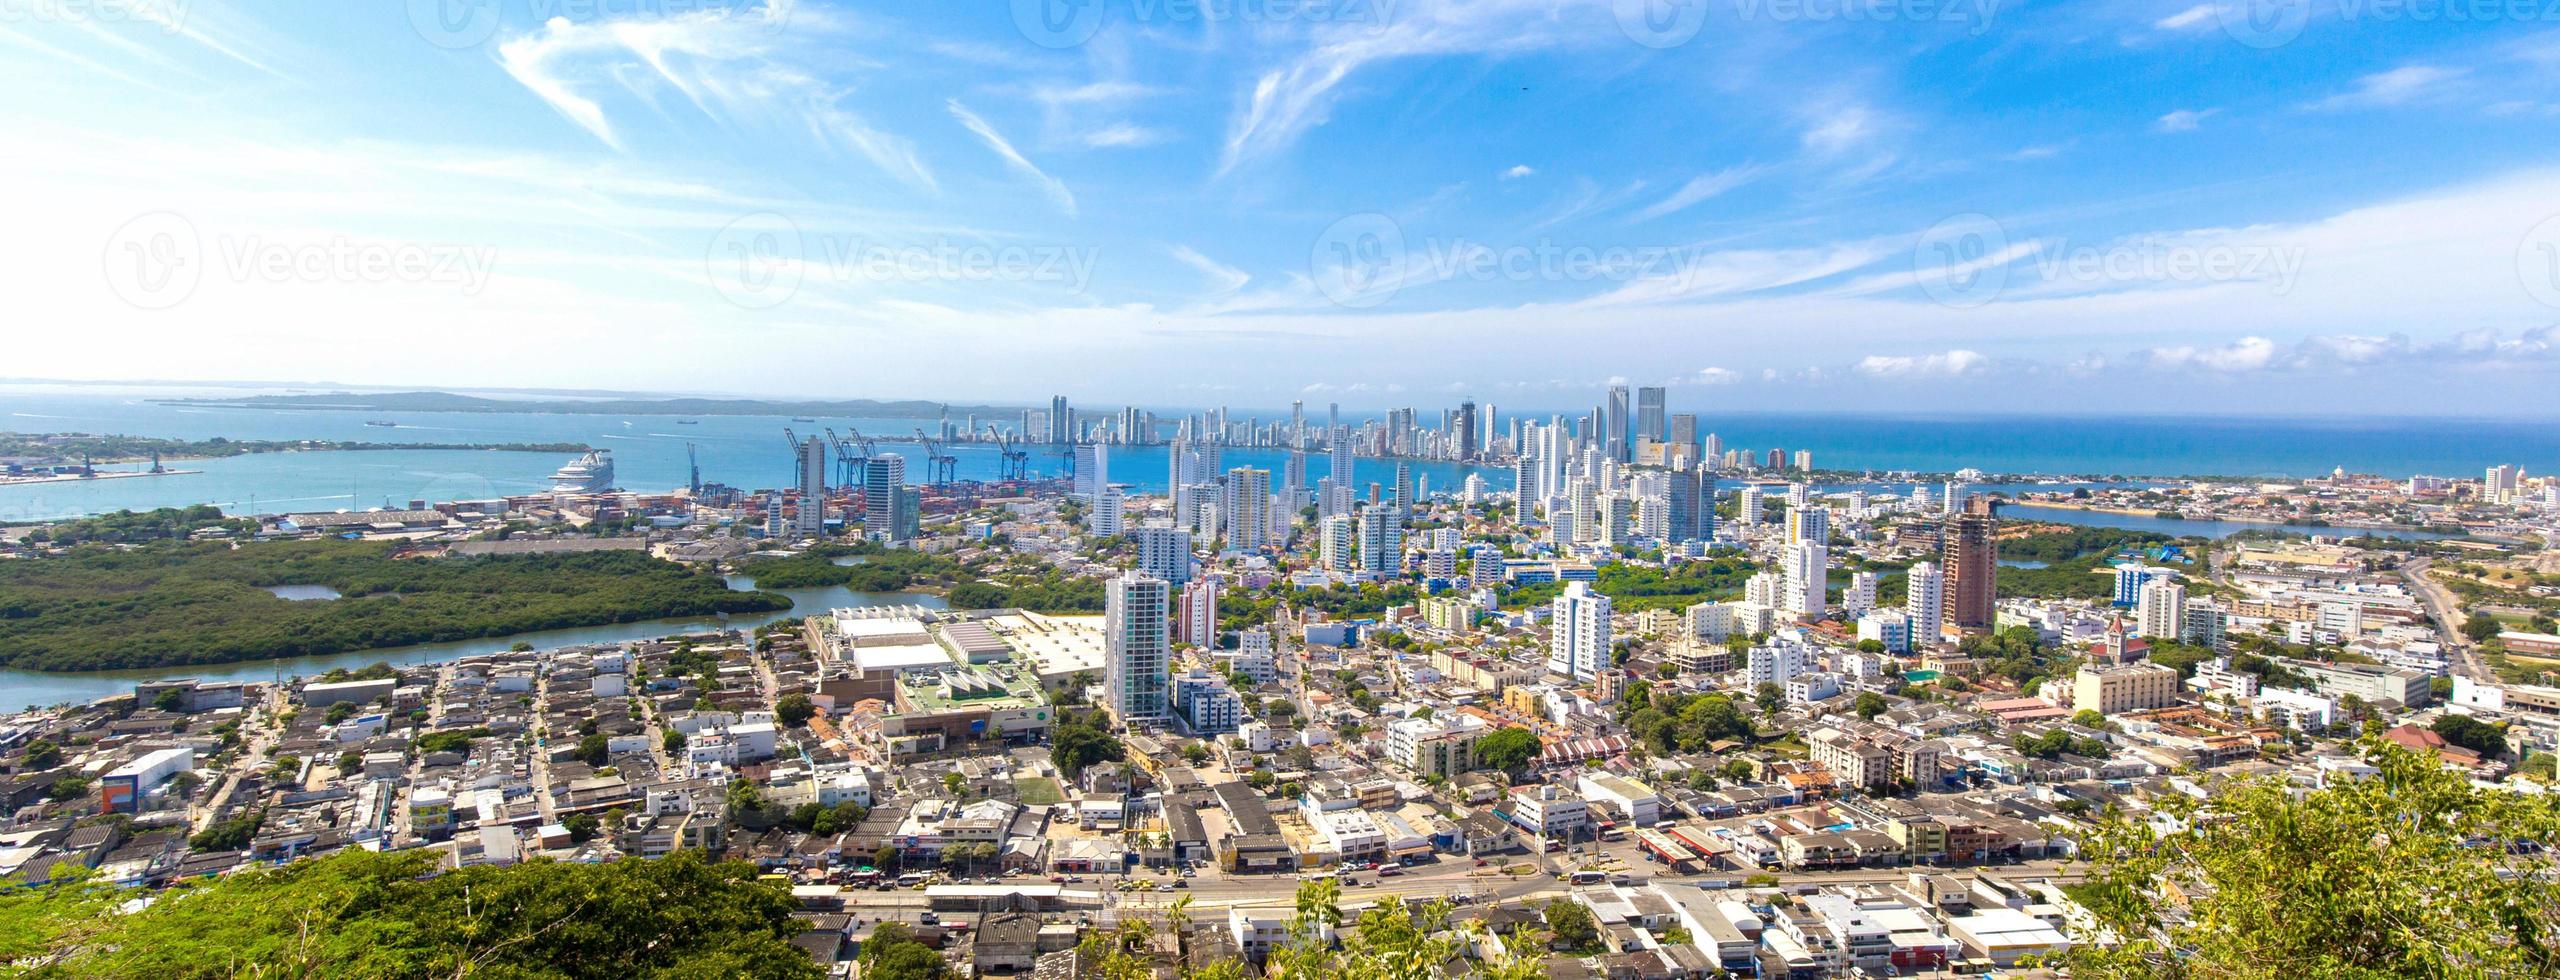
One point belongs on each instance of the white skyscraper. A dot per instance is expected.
(1105, 518)
(1335, 548)
(1164, 553)
(884, 482)
(1859, 597)
(1578, 632)
(1248, 508)
(2161, 613)
(1199, 614)
(1925, 595)
(811, 519)
(1747, 505)
(1137, 655)
(1093, 469)
(1806, 565)
(1381, 540)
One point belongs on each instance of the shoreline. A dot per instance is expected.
(12, 481)
(2210, 519)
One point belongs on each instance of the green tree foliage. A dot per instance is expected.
(1870, 704)
(878, 569)
(1573, 926)
(591, 750)
(1050, 593)
(1636, 588)
(1507, 749)
(2055, 742)
(794, 710)
(2479, 627)
(2405, 874)
(130, 527)
(2471, 733)
(171, 603)
(1674, 722)
(229, 834)
(2072, 559)
(1080, 741)
(894, 953)
(363, 914)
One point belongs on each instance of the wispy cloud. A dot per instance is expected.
(1056, 189)
(1518, 170)
(1223, 278)
(1699, 188)
(2182, 120)
(2400, 86)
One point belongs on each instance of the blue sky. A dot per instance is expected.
(2262, 205)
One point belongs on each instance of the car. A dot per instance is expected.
(1182, 884)
(1389, 871)
(1057, 879)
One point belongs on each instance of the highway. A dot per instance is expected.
(2441, 608)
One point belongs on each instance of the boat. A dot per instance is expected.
(802, 418)
(376, 423)
(591, 473)
(688, 422)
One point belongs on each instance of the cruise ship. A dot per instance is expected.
(591, 473)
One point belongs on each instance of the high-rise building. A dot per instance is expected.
(811, 460)
(1807, 566)
(1197, 621)
(1691, 498)
(1164, 553)
(1613, 424)
(2131, 577)
(1973, 562)
(1859, 597)
(1061, 424)
(1811, 524)
(2161, 612)
(1649, 419)
(1093, 469)
(1684, 434)
(1293, 472)
(884, 477)
(1747, 505)
(1925, 600)
(1337, 545)
(1248, 508)
(1104, 519)
(1405, 502)
(1381, 540)
(1466, 430)
(1578, 632)
(1137, 653)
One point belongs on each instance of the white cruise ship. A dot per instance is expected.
(591, 473)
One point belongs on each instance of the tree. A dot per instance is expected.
(1507, 749)
(894, 953)
(2471, 733)
(2479, 627)
(229, 834)
(1572, 925)
(2380, 877)
(581, 826)
(1769, 697)
(591, 750)
(42, 754)
(794, 710)
(1870, 704)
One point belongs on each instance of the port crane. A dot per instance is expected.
(940, 466)
(852, 452)
(1017, 463)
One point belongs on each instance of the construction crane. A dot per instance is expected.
(851, 453)
(1017, 463)
(940, 466)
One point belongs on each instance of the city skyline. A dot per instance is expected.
(1964, 212)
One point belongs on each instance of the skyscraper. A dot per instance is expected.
(2161, 613)
(1093, 469)
(1293, 472)
(1060, 423)
(1649, 420)
(1924, 601)
(811, 459)
(1466, 430)
(1198, 622)
(1248, 508)
(1613, 424)
(1164, 553)
(1405, 503)
(1381, 540)
(1973, 559)
(1578, 632)
(1337, 545)
(1684, 433)
(1137, 654)
(883, 477)
(1691, 497)
(1104, 519)
(1807, 567)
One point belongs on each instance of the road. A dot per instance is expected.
(258, 732)
(2441, 608)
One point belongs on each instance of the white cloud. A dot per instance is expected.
(1840, 129)
(2399, 86)
(1222, 278)
(1954, 363)
(2200, 15)
(2182, 120)
(1123, 134)
(2245, 355)
(1700, 188)
(1056, 189)
(1517, 171)
(1715, 376)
